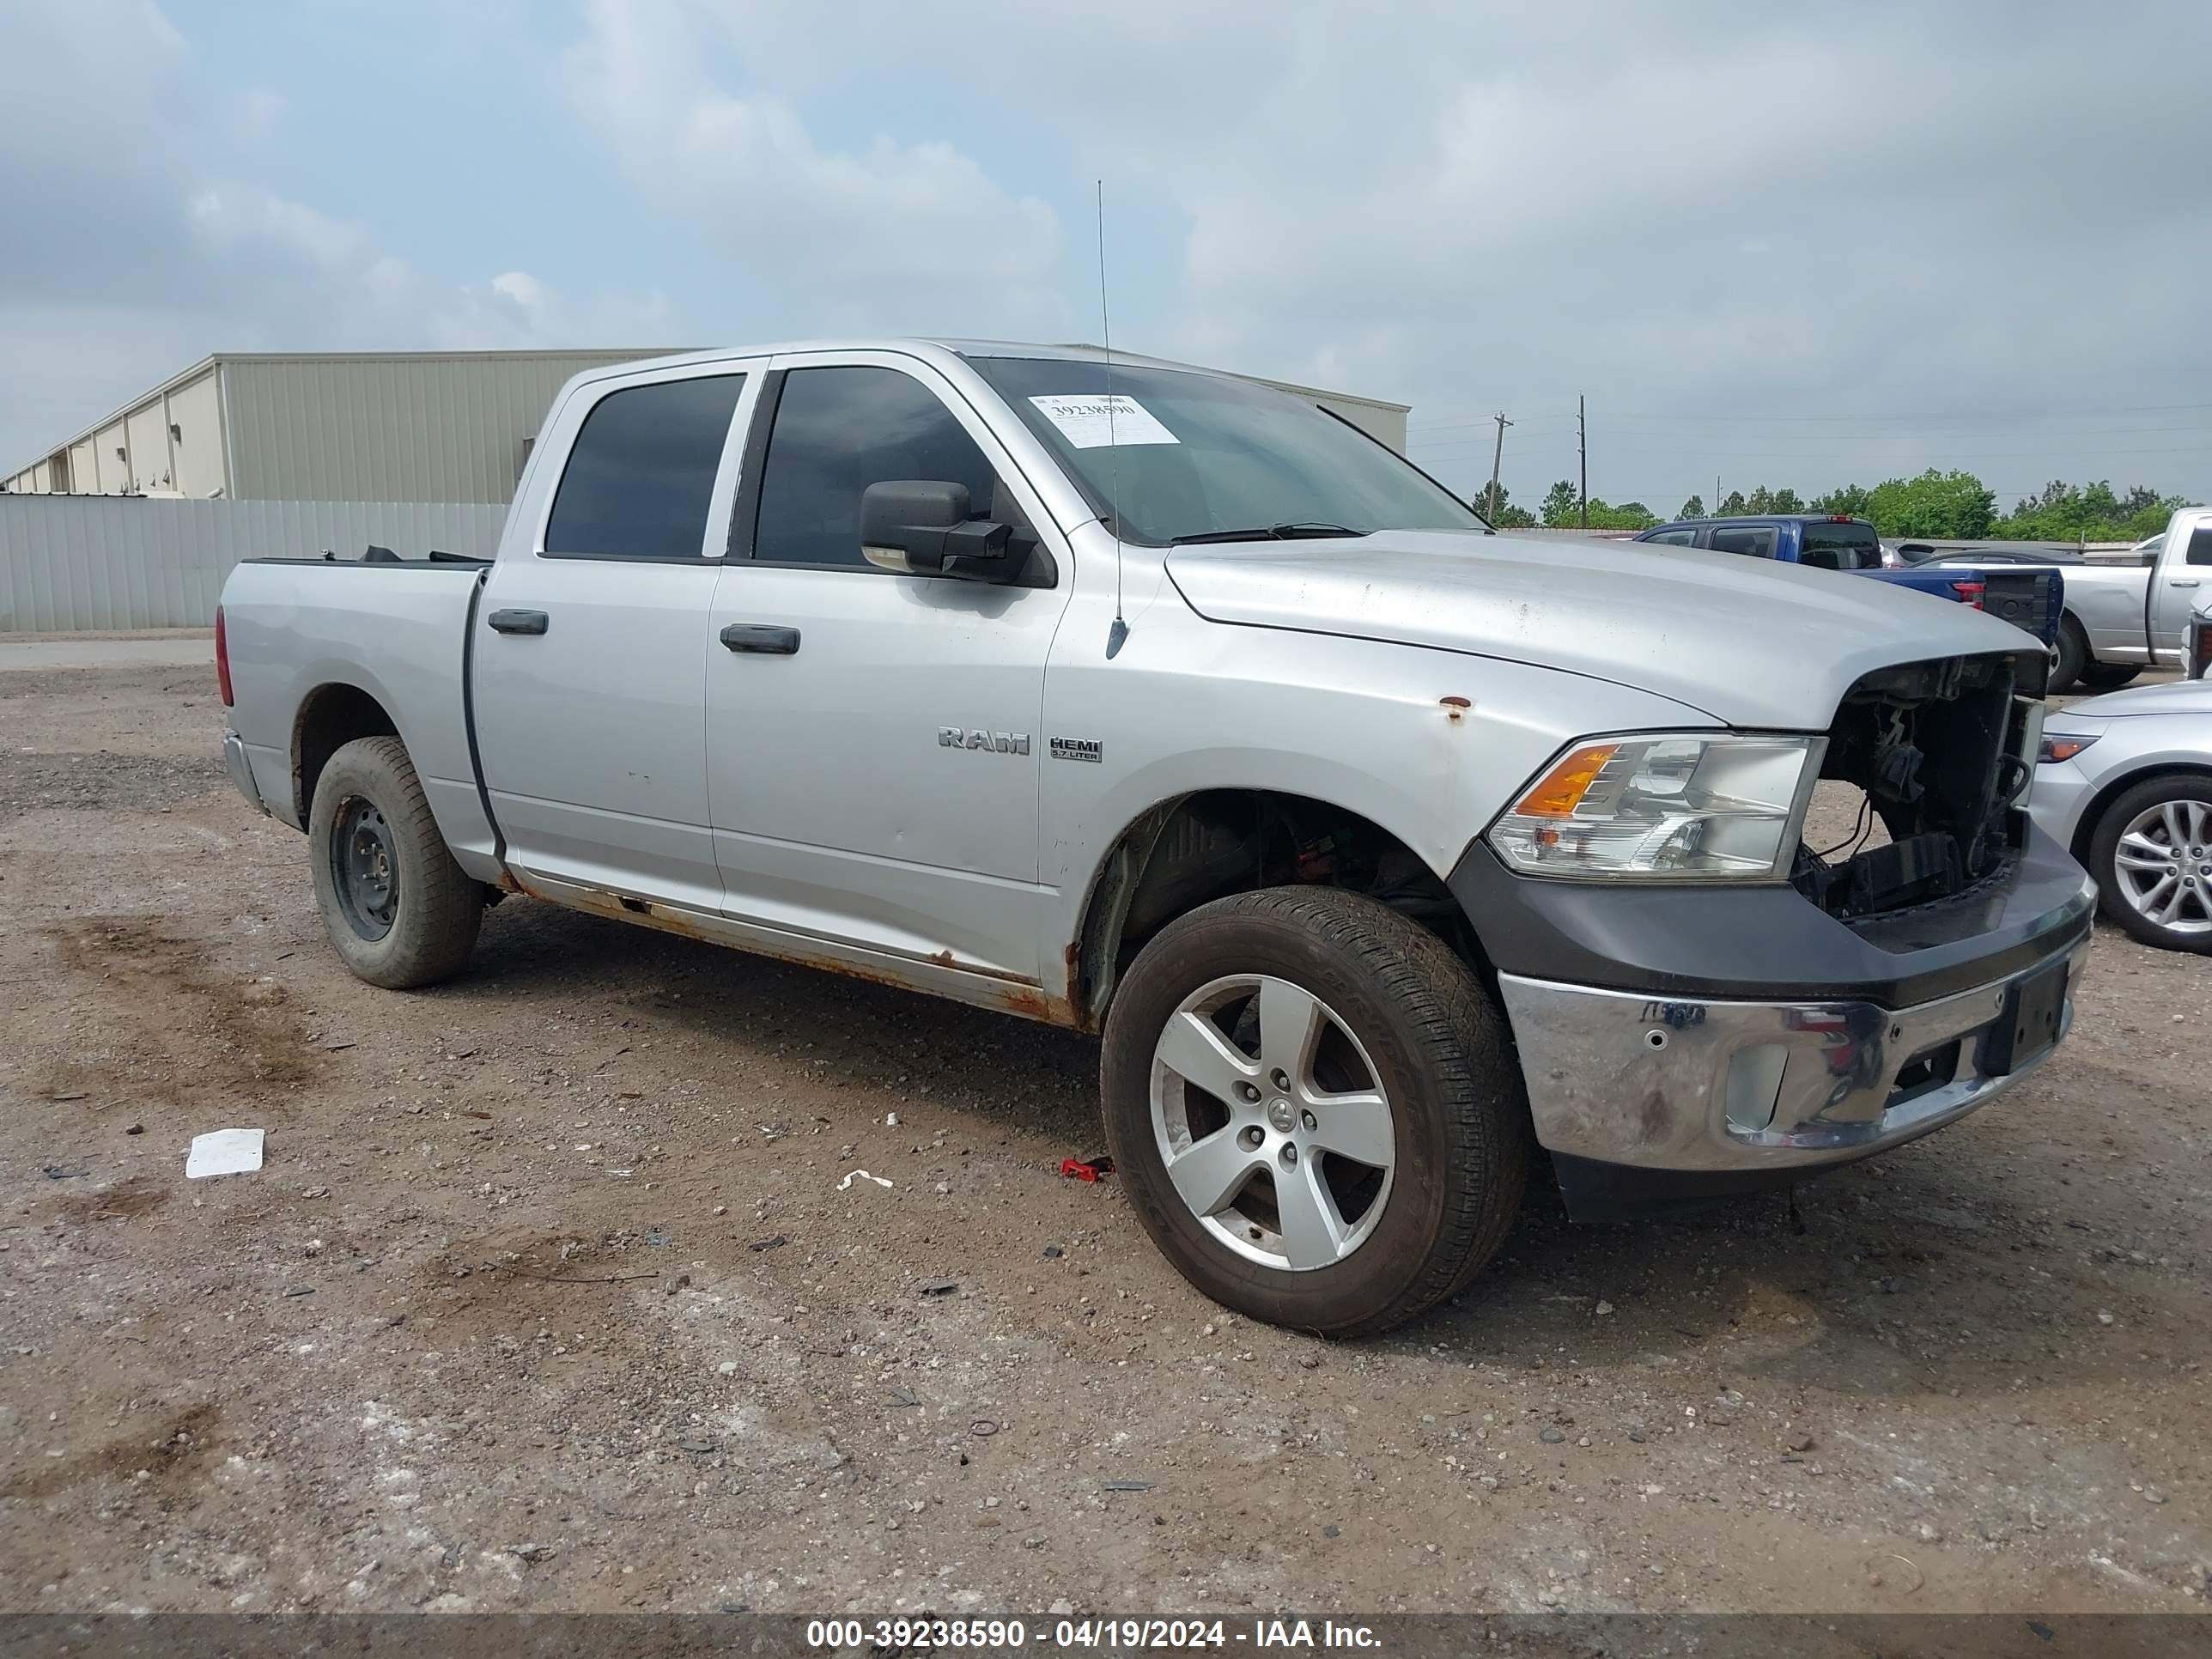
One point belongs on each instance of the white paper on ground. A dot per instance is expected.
(1085, 421)
(223, 1152)
(864, 1176)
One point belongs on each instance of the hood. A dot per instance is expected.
(2175, 697)
(1748, 642)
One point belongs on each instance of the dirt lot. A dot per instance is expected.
(554, 1294)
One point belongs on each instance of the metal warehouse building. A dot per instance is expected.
(414, 426)
(396, 427)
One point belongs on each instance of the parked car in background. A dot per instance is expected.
(2031, 599)
(2120, 617)
(1381, 849)
(2125, 781)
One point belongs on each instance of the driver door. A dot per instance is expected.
(841, 813)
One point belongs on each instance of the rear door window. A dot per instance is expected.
(1840, 547)
(640, 479)
(1757, 540)
(1674, 537)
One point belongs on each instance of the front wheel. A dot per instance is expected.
(397, 908)
(2110, 675)
(2069, 657)
(2152, 858)
(1315, 1109)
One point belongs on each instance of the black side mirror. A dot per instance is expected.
(921, 528)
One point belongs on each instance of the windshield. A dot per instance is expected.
(1181, 453)
(1840, 547)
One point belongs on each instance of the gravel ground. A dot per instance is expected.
(560, 1291)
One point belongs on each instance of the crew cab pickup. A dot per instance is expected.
(2120, 617)
(1380, 850)
(2029, 599)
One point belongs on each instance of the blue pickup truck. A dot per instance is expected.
(2032, 599)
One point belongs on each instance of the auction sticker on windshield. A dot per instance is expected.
(1094, 422)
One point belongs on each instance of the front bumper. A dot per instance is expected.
(1768, 1091)
(241, 770)
(1680, 1044)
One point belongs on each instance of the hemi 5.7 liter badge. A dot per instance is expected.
(1080, 749)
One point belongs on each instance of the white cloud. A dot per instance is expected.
(875, 233)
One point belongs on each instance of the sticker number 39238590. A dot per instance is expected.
(1092, 422)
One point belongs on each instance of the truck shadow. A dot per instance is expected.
(1978, 1262)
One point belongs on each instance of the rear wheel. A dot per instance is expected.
(1315, 1109)
(2152, 858)
(2070, 656)
(397, 908)
(2110, 675)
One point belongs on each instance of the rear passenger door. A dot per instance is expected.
(841, 813)
(590, 643)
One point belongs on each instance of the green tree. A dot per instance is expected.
(1562, 505)
(1760, 500)
(1785, 500)
(2063, 513)
(1733, 507)
(1947, 506)
(1853, 499)
(1629, 515)
(1506, 515)
(1693, 509)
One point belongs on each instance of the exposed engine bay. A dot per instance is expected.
(1943, 751)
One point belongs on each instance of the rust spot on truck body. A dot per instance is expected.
(994, 987)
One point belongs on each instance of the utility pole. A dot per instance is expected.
(1715, 513)
(1582, 443)
(1497, 459)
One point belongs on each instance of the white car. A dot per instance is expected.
(2125, 780)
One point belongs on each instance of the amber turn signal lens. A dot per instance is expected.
(1560, 790)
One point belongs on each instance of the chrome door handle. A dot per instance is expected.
(2182, 581)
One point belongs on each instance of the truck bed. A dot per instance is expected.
(302, 629)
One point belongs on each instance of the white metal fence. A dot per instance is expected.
(70, 563)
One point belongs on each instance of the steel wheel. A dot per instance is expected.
(1272, 1122)
(2162, 865)
(364, 868)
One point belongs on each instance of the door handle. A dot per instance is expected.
(519, 622)
(2181, 581)
(763, 638)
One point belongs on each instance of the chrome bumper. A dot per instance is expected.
(1651, 1084)
(241, 770)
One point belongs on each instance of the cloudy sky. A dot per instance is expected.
(1794, 244)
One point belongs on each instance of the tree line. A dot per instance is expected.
(1939, 506)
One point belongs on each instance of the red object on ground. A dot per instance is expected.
(1078, 1169)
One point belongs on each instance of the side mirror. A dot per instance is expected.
(921, 528)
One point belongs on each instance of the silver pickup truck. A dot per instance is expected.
(1381, 850)
(2121, 617)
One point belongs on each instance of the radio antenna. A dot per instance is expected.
(1120, 631)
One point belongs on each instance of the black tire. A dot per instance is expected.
(2110, 675)
(1439, 1049)
(2073, 656)
(2104, 845)
(368, 789)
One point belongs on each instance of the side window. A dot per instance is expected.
(641, 476)
(2200, 546)
(1756, 540)
(1675, 537)
(839, 430)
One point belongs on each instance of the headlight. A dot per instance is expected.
(1687, 807)
(2057, 746)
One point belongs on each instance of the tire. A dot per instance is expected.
(2140, 822)
(2072, 656)
(1396, 1004)
(369, 807)
(2110, 675)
